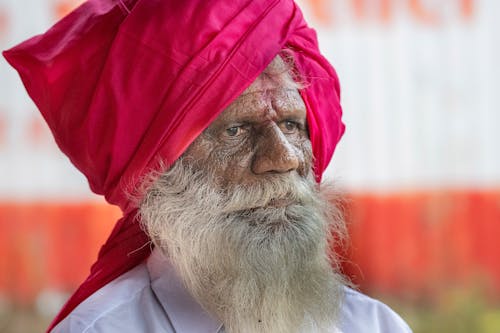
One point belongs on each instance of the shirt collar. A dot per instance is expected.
(183, 311)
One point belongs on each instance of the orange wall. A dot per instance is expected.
(49, 246)
(419, 244)
(406, 244)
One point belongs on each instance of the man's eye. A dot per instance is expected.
(234, 131)
(289, 126)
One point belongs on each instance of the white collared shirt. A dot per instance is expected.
(151, 298)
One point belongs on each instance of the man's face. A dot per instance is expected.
(242, 219)
(263, 132)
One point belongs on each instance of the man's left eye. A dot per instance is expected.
(289, 126)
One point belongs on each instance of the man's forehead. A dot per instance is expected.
(277, 75)
(264, 84)
(267, 94)
(274, 89)
(260, 100)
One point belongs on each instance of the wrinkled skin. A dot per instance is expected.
(263, 132)
(245, 232)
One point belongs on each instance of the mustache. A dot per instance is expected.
(278, 191)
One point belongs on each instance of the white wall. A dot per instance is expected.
(421, 100)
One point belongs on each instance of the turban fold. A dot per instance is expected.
(124, 84)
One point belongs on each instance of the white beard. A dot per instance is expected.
(255, 264)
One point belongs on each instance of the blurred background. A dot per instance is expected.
(420, 165)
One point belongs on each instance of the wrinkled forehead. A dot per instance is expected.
(275, 87)
(277, 75)
(273, 94)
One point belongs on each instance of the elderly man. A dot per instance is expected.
(209, 123)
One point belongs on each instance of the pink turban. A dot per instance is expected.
(123, 84)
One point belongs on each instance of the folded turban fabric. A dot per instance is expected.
(125, 84)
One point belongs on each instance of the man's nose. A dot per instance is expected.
(274, 153)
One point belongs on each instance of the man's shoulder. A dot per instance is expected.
(361, 313)
(121, 305)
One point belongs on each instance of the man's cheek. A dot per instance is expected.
(306, 155)
(236, 153)
(199, 152)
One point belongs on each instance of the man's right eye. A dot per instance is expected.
(234, 131)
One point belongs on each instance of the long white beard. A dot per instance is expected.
(256, 264)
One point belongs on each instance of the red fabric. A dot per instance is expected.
(125, 84)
